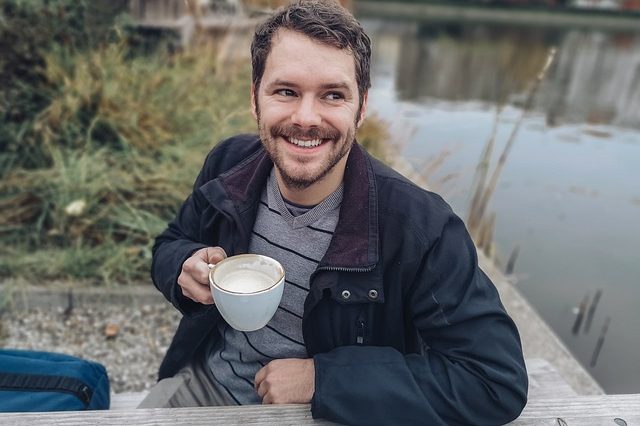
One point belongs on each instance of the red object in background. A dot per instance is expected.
(630, 5)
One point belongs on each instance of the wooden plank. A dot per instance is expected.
(545, 381)
(575, 410)
(244, 415)
(579, 421)
(583, 406)
(126, 400)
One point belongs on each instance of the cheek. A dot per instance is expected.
(274, 112)
(346, 121)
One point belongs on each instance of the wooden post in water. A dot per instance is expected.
(592, 310)
(581, 312)
(600, 342)
(511, 263)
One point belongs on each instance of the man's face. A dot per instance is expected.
(307, 107)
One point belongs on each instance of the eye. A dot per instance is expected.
(334, 96)
(285, 92)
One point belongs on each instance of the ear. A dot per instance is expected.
(254, 106)
(363, 109)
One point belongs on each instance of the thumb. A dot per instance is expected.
(214, 255)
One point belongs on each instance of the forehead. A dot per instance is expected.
(295, 55)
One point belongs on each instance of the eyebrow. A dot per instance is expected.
(340, 85)
(328, 86)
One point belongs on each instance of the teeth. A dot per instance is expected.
(305, 144)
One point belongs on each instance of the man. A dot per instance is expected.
(386, 317)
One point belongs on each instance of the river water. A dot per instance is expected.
(569, 195)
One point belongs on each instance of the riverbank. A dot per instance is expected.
(435, 11)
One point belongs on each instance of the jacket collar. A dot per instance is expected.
(355, 241)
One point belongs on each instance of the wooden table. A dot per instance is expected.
(551, 402)
(574, 410)
(593, 410)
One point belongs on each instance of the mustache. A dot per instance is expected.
(296, 132)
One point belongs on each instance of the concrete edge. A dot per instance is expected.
(17, 296)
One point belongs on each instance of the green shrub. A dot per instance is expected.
(99, 145)
(29, 30)
(104, 161)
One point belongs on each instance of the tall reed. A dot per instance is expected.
(480, 225)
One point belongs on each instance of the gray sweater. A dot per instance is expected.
(298, 238)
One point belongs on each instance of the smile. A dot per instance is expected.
(305, 144)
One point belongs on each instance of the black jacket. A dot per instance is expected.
(403, 326)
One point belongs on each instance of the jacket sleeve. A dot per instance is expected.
(176, 244)
(472, 370)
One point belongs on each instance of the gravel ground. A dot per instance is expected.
(129, 341)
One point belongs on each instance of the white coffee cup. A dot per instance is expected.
(247, 289)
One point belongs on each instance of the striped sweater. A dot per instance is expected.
(298, 238)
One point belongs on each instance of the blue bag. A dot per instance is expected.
(45, 381)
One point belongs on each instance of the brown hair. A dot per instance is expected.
(324, 21)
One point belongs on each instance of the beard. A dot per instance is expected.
(298, 176)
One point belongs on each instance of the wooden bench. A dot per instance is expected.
(571, 410)
(544, 381)
(551, 402)
(127, 400)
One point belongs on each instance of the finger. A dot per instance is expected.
(197, 267)
(201, 273)
(195, 290)
(199, 263)
(186, 293)
(262, 391)
(259, 377)
(201, 293)
(267, 399)
(215, 254)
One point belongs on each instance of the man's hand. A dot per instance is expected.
(194, 277)
(286, 381)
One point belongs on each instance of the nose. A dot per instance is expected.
(306, 113)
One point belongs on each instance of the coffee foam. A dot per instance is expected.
(245, 281)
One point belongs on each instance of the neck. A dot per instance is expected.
(317, 191)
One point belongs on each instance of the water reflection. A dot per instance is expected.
(595, 78)
(568, 196)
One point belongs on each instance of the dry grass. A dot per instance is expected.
(118, 148)
(119, 145)
(374, 136)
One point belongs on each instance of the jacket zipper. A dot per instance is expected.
(342, 269)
